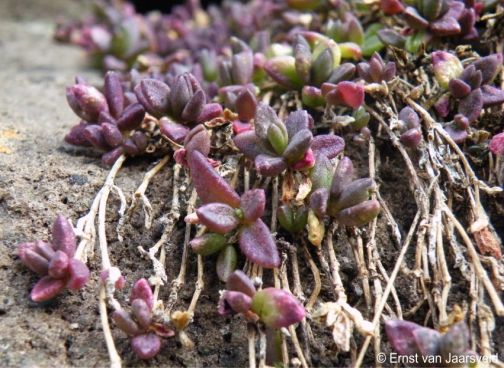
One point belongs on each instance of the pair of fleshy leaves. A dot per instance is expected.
(315, 57)
(107, 118)
(275, 146)
(146, 334)
(54, 262)
(276, 308)
(240, 68)
(223, 210)
(347, 31)
(376, 70)
(409, 339)
(411, 134)
(242, 100)
(339, 195)
(340, 89)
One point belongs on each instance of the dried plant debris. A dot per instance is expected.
(371, 130)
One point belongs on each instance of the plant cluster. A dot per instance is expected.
(261, 104)
(54, 262)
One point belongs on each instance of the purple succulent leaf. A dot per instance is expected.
(86, 101)
(489, 66)
(209, 185)
(410, 117)
(343, 175)
(237, 301)
(298, 145)
(472, 77)
(252, 203)
(32, 259)
(194, 106)
(154, 96)
(297, 121)
(79, 274)
(142, 290)
(218, 217)
(400, 336)
(131, 117)
(239, 281)
(123, 320)
(458, 88)
(46, 289)
(63, 237)
(46, 250)
(226, 262)
(328, 145)
(277, 308)
(448, 25)
(112, 134)
(247, 143)
(492, 96)
(142, 312)
(146, 346)
(359, 214)
(111, 156)
(458, 135)
(389, 72)
(246, 105)
(427, 341)
(174, 131)
(267, 165)
(181, 94)
(442, 106)
(318, 201)
(354, 193)
(210, 111)
(94, 135)
(198, 139)
(461, 121)
(258, 245)
(414, 19)
(58, 265)
(467, 21)
(141, 141)
(76, 135)
(471, 105)
(114, 93)
(411, 138)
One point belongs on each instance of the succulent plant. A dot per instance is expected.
(376, 71)
(276, 308)
(109, 120)
(224, 211)
(312, 63)
(409, 121)
(240, 68)
(275, 146)
(55, 262)
(242, 100)
(178, 106)
(470, 88)
(428, 19)
(139, 324)
(408, 338)
(344, 93)
(339, 195)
